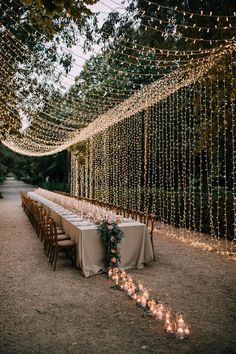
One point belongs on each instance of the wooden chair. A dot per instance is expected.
(45, 232)
(37, 210)
(53, 233)
(23, 200)
(59, 245)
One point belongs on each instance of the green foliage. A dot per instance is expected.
(120, 26)
(3, 172)
(111, 235)
(37, 32)
(50, 172)
(54, 16)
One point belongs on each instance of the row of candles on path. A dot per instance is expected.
(173, 323)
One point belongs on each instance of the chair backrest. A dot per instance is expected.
(45, 219)
(53, 232)
(134, 214)
(140, 216)
(153, 220)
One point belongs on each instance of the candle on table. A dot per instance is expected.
(143, 302)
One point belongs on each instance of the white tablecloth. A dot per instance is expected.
(135, 247)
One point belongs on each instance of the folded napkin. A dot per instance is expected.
(82, 223)
(68, 214)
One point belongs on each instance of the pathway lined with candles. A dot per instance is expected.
(62, 312)
(173, 323)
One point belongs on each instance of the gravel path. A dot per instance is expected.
(42, 311)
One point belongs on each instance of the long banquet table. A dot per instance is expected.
(135, 247)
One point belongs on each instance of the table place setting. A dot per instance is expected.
(71, 217)
(83, 223)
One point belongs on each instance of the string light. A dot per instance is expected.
(167, 152)
(185, 26)
(184, 12)
(62, 126)
(179, 144)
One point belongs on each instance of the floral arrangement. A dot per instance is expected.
(174, 323)
(111, 235)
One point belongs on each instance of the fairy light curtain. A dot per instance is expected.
(176, 158)
(160, 131)
(55, 120)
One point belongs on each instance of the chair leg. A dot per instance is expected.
(55, 259)
(46, 241)
(41, 233)
(154, 257)
(48, 248)
(51, 254)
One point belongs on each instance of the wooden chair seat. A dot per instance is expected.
(60, 231)
(65, 243)
(62, 237)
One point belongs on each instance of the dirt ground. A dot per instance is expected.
(42, 311)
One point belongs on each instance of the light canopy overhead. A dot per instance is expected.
(124, 79)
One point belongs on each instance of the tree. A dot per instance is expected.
(32, 35)
(53, 16)
(50, 171)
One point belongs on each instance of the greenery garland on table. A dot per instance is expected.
(111, 235)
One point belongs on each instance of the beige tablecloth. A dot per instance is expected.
(135, 247)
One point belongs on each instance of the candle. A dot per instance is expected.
(169, 328)
(146, 295)
(180, 333)
(130, 291)
(154, 313)
(140, 287)
(143, 302)
(180, 322)
(152, 307)
(123, 275)
(117, 279)
(138, 299)
(159, 315)
(126, 286)
(187, 331)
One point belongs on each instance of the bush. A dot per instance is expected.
(51, 186)
(3, 172)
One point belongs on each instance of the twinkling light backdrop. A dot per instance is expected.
(176, 158)
(166, 146)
